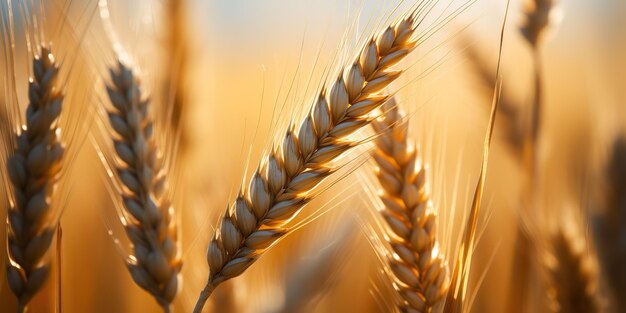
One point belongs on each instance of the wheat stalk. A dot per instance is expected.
(281, 185)
(420, 271)
(148, 217)
(539, 16)
(572, 275)
(34, 169)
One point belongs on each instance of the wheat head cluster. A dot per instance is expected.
(351, 204)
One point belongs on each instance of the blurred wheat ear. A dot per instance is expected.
(420, 271)
(539, 16)
(148, 216)
(34, 167)
(573, 276)
(283, 181)
(610, 225)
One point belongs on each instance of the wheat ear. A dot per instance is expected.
(280, 186)
(148, 216)
(420, 271)
(540, 16)
(573, 276)
(34, 169)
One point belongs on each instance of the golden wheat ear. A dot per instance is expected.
(419, 271)
(572, 274)
(281, 185)
(34, 167)
(155, 262)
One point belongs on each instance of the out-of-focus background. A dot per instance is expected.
(247, 68)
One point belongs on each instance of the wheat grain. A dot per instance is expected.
(279, 188)
(148, 219)
(34, 168)
(420, 271)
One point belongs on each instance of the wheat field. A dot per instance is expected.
(312, 156)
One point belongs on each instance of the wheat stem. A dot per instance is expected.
(538, 19)
(280, 187)
(457, 294)
(204, 296)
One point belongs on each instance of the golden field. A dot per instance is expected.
(227, 80)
